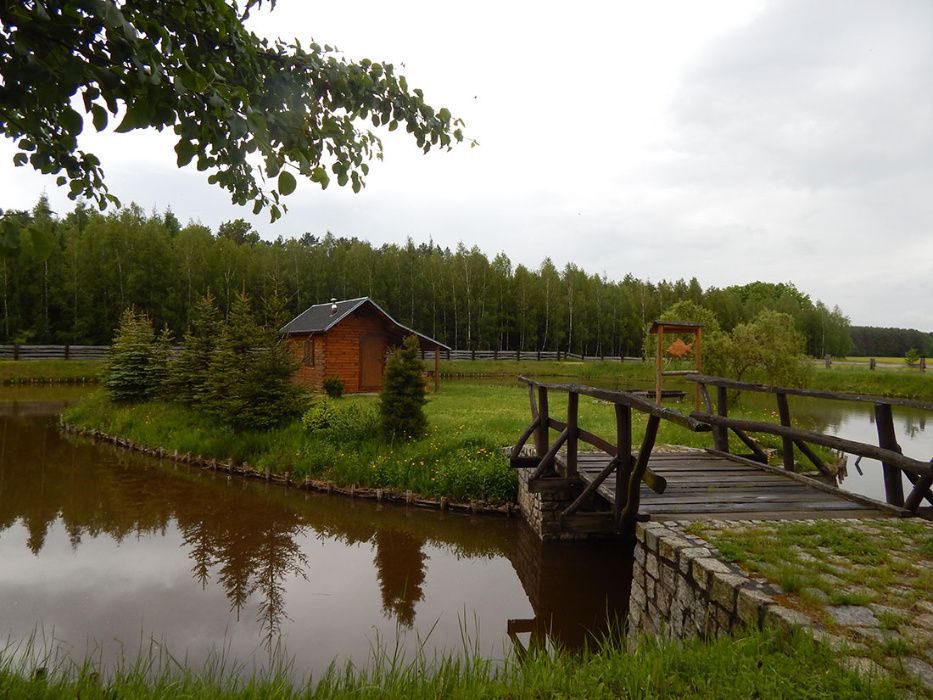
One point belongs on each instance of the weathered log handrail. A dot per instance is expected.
(888, 452)
(630, 468)
(626, 399)
(862, 449)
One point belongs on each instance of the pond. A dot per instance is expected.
(106, 551)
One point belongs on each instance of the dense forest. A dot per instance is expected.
(67, 279)
(890, 342)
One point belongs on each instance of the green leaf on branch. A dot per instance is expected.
(99, 115)
(186, 151)
(287, 183)
(71, 121)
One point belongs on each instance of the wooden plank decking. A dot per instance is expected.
(704, 486)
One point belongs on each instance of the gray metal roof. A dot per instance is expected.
(320, 319)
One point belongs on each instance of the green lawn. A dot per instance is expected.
(640, 375)
(49, 370)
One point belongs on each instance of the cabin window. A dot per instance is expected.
(309, 351)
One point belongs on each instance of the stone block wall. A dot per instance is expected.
(681, 589)
(540, 510)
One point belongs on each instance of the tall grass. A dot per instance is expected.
(757, 664)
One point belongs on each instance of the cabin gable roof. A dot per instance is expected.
(319, 319)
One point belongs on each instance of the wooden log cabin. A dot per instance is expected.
(350, 339)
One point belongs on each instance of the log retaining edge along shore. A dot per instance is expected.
(380, 495)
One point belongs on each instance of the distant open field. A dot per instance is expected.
(15, 371)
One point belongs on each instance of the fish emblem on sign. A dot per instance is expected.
(679, 348)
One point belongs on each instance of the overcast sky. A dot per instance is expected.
(727, 140)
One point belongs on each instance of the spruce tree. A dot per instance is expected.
(188, 371)
(401, 406)
(128, 376)
(159, 364)
(249, 378)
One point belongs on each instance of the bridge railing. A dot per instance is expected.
(887, 451)
(630, 468)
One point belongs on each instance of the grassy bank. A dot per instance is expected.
(760, 664)
(896, 383)
(457, 460)
(15, 371)
(460, 458)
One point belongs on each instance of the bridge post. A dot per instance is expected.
(541, 434)
(786, 443)
(573, 403)
(722, 409)
(624, 456)
(887, 438)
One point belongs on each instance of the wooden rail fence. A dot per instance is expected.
(54, 352)
(538, 355)
(887, 451)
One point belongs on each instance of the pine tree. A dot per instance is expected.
(128, 377)
(402, 400)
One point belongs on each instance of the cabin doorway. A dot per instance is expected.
(372, 362)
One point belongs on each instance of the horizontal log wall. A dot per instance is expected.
(343, 346)
(308, 376)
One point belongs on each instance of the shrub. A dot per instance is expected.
(353, 423)
(401, 403)
(159, 362)
(341, 423)
(770, 349)
(333, 387)
(319, 415)
(912, 357)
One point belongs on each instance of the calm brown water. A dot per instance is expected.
(105, 550)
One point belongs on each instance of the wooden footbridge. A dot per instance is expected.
(606, 490)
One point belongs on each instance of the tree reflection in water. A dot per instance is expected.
(246, 537)
(243, 536)
(249, 546)
(400, 563)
